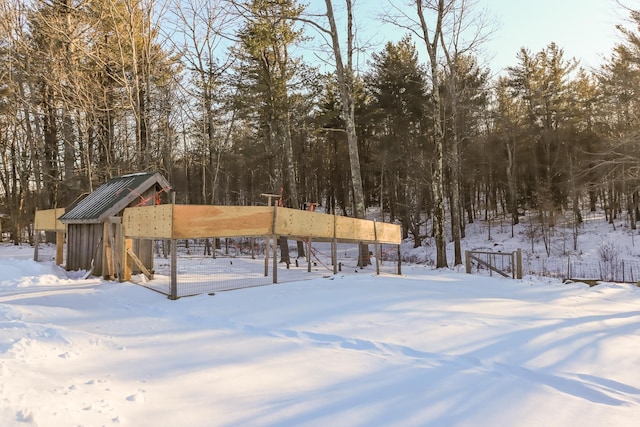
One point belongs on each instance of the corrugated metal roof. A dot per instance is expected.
(112, 197)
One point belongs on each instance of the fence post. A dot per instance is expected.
(174, 266)
(513, 264)
(127, 262)
(36, 239)
(375, 245)
(399, 261)
(266, 256)
(467, 261)
(334, 247)
(275, 244)
(59, 247)
(519, 263)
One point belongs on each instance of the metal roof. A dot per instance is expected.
(112, 197)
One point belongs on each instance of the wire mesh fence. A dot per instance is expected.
(501, 263)
(214, 265)
(44, 250)
(624, 271)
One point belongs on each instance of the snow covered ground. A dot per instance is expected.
(430, 348)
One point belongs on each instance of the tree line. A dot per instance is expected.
(217, 95)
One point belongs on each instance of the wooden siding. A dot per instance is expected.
(84, 246)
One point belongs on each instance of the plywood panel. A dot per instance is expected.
(294, 222)
(352, 229)
(195, 221)
(198, 221)
(148, 221)
(389, 233)
(47, 220)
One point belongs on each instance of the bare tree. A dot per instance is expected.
(345, 76)
(462, 34)
(204, 27)
(431, 35)
(449, 33)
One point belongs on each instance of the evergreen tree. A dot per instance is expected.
(396, 83)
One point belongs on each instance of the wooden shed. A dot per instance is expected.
(90, 222)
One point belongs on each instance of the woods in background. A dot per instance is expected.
(233, 98)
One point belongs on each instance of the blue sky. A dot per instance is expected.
(584, 29)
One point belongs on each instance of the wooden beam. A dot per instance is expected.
(489, 266)
(195, 221)
(139, 263)
(388, 233)
(127, 263)
(107, 252)
(201, 221)
(304, 224)
(59, 247)
(353, 229)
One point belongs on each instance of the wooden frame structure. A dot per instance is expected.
(93, 228)
(174, 222)
(47, 220)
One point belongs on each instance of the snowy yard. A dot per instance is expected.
(431, 348)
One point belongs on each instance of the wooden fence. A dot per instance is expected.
(172, 222)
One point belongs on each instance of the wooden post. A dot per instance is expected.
(36, 239)
(275, 258)
(309, 255)
(173, 279)
(266, 256)
(271, 197)
(59, 247)
(376, 246)
(399, 261)
(467, 261)
(334, 247)
(174, 266)
(275, 243)
(107, 255)
(519, 263)
(114, 244)
(127, 261)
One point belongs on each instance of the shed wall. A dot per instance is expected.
(83, 247)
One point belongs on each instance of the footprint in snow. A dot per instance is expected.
(24, 416)
(68, 355)
(137, 397)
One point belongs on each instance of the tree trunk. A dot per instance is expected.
(345, 84)
(50, 129)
